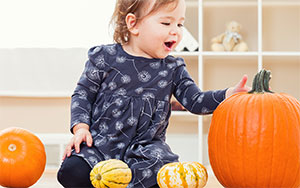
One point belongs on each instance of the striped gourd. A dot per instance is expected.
(111, 173)
(182, 175)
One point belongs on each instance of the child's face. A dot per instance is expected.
(161, 31)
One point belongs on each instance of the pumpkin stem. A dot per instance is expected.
(261, 82)
(98, 177)
(12, 147)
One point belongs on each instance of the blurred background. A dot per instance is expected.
(44, 44)
(43, 49)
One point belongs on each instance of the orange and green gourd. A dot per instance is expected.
(22, 158)
(254, 138)
(111, 173)
(182, 175)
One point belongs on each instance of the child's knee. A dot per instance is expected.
(66, 173)
(63, 174)
(74, 172)
(60, 176)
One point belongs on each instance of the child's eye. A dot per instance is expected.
(165, 23)
(180, 25)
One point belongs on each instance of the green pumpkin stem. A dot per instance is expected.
(98, 177)
(261, 82)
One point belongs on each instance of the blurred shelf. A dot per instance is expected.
(185, 53)
(210, 53)
(241, 3)
(263, 53)
(37, 94)
(182, 113)
(280, 2)
(191, 3)
(281, 53)
(231, 3)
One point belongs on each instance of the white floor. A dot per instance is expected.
(48, 180)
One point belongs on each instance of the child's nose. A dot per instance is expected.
(174, 31)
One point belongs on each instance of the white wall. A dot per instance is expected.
(44, 43)
(54, 23)
(40, 72)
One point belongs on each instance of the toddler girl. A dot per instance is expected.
(121, 105)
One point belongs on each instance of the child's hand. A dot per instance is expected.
(240, 87)
(81, 134)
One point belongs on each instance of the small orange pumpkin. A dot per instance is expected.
(22, 158)
(254, 138)
(182, 175)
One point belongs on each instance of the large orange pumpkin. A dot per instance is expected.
(254, 138)
(22, 158)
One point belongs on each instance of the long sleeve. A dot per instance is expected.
(86, 90)
(191, 97)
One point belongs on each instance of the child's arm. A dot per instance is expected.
(86, 91)
(195, 100)
(82, 101)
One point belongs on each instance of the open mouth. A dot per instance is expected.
(169, 44)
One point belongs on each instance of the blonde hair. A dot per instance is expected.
(124, 7)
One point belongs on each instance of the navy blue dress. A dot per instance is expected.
(126, 102)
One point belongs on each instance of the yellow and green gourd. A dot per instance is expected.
(111, 173)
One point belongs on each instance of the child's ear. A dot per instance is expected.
(131, 22)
